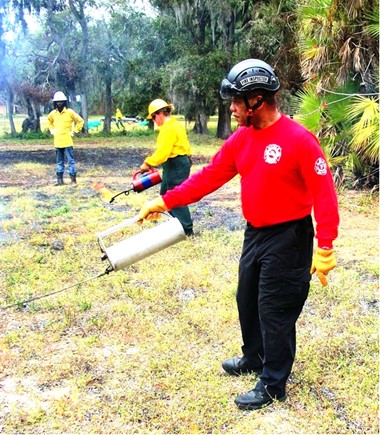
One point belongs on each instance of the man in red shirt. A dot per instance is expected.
(284, 176)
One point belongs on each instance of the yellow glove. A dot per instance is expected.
(152, 209)
(323, 261)
(145, 167)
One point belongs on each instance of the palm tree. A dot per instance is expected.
(340, 56)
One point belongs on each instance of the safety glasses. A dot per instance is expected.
(229, 90)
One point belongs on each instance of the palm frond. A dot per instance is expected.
(338, 103)
(308, 110)
(373, 27)
(314, 9)
(364, 114)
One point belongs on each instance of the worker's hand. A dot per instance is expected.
(323, 261)
(152, 210)
(145, 167)
(52, 132)
(72, 133)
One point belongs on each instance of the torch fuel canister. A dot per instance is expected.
(128, 251)
(142, 181)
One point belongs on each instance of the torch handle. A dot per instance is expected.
(125, 223)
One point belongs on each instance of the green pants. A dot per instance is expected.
(176, 170)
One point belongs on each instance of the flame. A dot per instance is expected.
(106, 193)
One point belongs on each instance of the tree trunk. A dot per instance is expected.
(78, 10)
(223, 130)
(200, 118)
(107, 103)
(37, 115)
(10, 105)
(200, 126)
(30, 108)
(84, 107)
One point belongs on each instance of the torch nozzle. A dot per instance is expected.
(124, 192)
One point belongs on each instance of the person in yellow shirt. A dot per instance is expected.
(63, 123)
(119, 119)
(173, 152)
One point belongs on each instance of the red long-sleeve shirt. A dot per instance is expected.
(284, 175)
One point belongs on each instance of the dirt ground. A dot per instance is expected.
(116, 166)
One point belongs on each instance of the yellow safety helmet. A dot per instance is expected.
(156, 105)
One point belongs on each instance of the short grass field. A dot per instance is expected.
(139, 351)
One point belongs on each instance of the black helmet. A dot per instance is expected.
(247, 76)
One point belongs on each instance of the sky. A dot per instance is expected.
(140, 5)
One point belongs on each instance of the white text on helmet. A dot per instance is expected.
(254, 79)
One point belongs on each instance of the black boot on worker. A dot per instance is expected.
(257, 398)
(59, 181)
(241, 366)
(73, 180)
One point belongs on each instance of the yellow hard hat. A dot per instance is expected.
(157, 105)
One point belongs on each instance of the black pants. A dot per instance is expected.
(176, 170)
(274, 280)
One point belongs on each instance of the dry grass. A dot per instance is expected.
(139, 351)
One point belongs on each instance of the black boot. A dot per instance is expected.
(257, 398)
(73, 180)
(59, 181)
(240, 366)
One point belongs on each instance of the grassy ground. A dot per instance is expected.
(139, 350)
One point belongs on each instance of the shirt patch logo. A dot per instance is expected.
(272, 154)
(320, 166)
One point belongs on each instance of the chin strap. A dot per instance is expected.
(251, 109)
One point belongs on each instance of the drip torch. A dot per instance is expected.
(140, 182)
